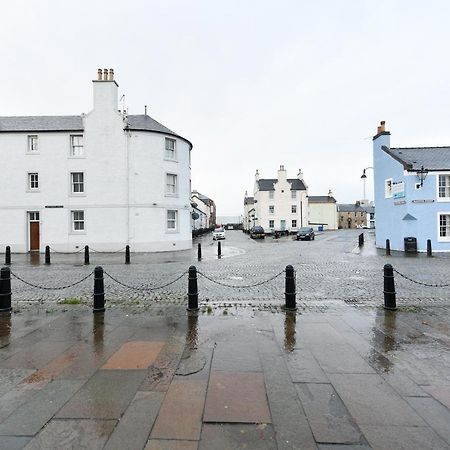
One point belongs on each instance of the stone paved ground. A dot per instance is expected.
(341, 373)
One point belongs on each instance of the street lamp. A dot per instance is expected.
(364, 177)
(422, 174)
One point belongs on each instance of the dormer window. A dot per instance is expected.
(76, 145)
(32, 144)
(293, 194)
(271, 194)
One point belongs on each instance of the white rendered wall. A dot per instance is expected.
(323, 213)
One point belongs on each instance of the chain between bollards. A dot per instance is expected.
(86, 255)
(388, 247)
(290, 293)
(389, 288)
(199, 252)
(5, 290)
(192, 289)
(47, 254)
(219, 250)
(8, 256)
(99, 290)
(127, 254)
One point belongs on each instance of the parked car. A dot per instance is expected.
(218, 233)
(257, 232)
(305, 233)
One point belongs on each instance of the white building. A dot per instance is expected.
(104, 179)
(279, 204)
(323, 212)
(249, 213)
(206, 208)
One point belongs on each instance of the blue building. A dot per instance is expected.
(412, 194)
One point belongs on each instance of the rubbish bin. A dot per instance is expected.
(320, 228)
(410, 244)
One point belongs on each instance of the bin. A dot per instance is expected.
(410, 244)
(320, 228)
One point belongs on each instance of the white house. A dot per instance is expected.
(323, 211)
(280, 203)
(104, 179)
(206, 208)
(249, 213)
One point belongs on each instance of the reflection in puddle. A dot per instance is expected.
(34, 258)
(192, 332)
(5, 329)
(98, 331)
(290, 320)
(384, 340)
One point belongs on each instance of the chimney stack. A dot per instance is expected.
(330, 193)
(111, 74)
(105, 90)
(257, 175)
(300, 175)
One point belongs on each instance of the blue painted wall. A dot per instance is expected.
(390, 213)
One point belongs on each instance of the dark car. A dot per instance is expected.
(305, 233)
(257, 232)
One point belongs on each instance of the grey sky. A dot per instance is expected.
(253, 84)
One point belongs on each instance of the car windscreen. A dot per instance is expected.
(304, 230)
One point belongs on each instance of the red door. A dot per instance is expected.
(34, 232)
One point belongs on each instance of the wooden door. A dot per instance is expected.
(34, 236)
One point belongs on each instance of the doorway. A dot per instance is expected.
(33, 218)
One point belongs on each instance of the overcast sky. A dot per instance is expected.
(253, 84)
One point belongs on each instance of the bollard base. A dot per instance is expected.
(390, 308)
(5, 311)
(98, 310)
(192, 309)
(287, 308)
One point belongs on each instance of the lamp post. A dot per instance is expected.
(364, 177)
(422, 174)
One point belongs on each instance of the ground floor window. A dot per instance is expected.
(444, 226)
(172, 219)
(77, 220)
(271, 223)
(294, 224)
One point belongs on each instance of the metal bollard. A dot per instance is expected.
(199, 252)
(5, 289)
(361, 240)
(192, 289)
(127, 254)
(8, 255)
(47, 254)
(290, 293)
(86, 255)
(219, 250)
(99, 290)
(388, 247)
(429, 249)
(389, 288)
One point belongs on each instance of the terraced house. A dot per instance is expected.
(104, 179)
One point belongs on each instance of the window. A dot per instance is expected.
(34, 216)
(170, 149)
(77, 220)
(294, 224)
(271, 193)
(171, 184)
(76, 145)
(444, 186)
(271, 209)
(444, 226)
(77, 182)
(33, 181)
(172, 216)
(293, 194)
(271, 223)
(388, 188)
(294, 209)
(32, 143)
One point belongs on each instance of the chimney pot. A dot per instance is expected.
(99, 74)
(111, 74)
(105, 74)
(378, 130)
(382, 125)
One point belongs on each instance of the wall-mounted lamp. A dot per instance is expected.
(421, 175)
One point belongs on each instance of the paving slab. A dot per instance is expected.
(165, 444)
(30, 417)
(184, 401)
(17, 397)
(327, 415)
(134, 428)
(134, 355)
(235, 436)
(304, 368)
(236, 397)
(106, 395)
(13, 442)
(236, 356)
(440, 393)
(344, 447)
(73, 434)
(195, 364)
(371, 401)
(403, 438)
(10, 378)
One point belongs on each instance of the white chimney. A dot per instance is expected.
(330, 193)
(300, 175)
(105, 91)
(257, 175)
(282, 175)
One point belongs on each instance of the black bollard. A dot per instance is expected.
(219, 250)
(199, 252)
(192, 289)
(86, 255)
(388, 247)
(361, 240)
(47, 254)
(8, 255)
(127, 254)
(429, 249)
(5, 289)
(290, 293)
(389, 288)
(99, 290)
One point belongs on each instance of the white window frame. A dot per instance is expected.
(82, 183)
(438, 198)
(271, 223)
(271, 209)
(32, 144)
(293, 209)
(171, 190)
(439, 237)
(388, 188)
(169, 153)
(30, 182)
(292, 223)
(74, 220)
(74, 154)
(174, 220)
(293, 194)
(271, 195)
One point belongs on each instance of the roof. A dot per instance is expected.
(321, 199)
(249, 201)
(413, 158)
(203, 198)
(268, 184)
(353, 207)
(139, 122)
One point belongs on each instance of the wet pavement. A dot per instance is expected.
(241, 373)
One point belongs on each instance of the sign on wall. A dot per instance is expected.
(398, 189)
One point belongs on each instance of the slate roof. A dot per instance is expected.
(413, 158)
(353, 207)
(267, 184)
(321, 199)
(203, 198)
(36, 124)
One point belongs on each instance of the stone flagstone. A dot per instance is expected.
(134, 355)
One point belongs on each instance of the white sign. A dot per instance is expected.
(398, 189)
